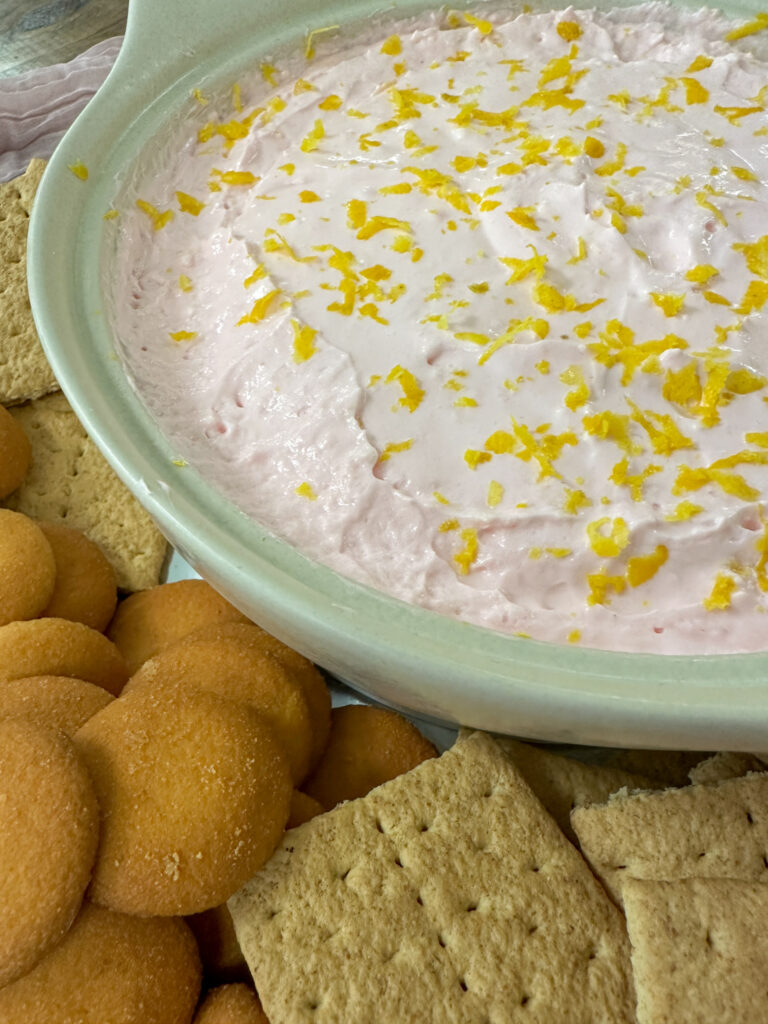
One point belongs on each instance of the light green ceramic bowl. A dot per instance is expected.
(401, 655)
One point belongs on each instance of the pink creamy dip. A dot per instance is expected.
(471, 309)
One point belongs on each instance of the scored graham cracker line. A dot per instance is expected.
(24, 370)
(71, 483)
(699, 950)
(700, 831)
(445, 895)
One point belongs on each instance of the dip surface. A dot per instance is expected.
(470, 308)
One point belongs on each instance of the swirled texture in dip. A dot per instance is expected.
(471, 309)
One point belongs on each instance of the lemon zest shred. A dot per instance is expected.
(303, 341)
(601, 584)
(159, 219)
(305, 490)
(642, 568)
(261, 309)
(683, 511)
(612, 544)
(722, 593)
(189, 204)
(465, 558)
(749, 28)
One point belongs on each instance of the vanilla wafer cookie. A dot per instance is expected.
(231, 1004)
(162, 615)
(59, 647)
(49, 823)
(194, 792)
(60, 702)
(27, 568)
(110, 968)
(86, 585)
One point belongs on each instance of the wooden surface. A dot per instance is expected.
(34, 33)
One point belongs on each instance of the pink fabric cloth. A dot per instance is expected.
(37, 107)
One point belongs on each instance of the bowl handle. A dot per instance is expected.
(164, 38)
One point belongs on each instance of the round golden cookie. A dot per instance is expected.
(368, 746)
(49, 826)
(86, 585)
(315, 688)
(58, 647)
(231, 1004)
(240, 672)
(149, 620)
(15, 453)
(110, 969)
(59, 702)
(194, 792)
(303, 808)
(27, 567)
(223, 960)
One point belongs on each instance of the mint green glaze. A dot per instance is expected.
(401, 655)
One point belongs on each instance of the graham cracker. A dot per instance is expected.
(71, 483)
(563, 783)
(718, 831)
(699, 950)
(445, 895)
(24, 370)
(724, 765)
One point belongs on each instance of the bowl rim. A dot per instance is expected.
(569, 694)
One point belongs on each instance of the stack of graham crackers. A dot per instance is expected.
(452, 894)
(69, 481)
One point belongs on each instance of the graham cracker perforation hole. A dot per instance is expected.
(463, 985)
(342, 876)
(419, 900)
(750, 819)
(765, 861)
(524, 1000)
(441, 941)
(380, 827)
(471, 907)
